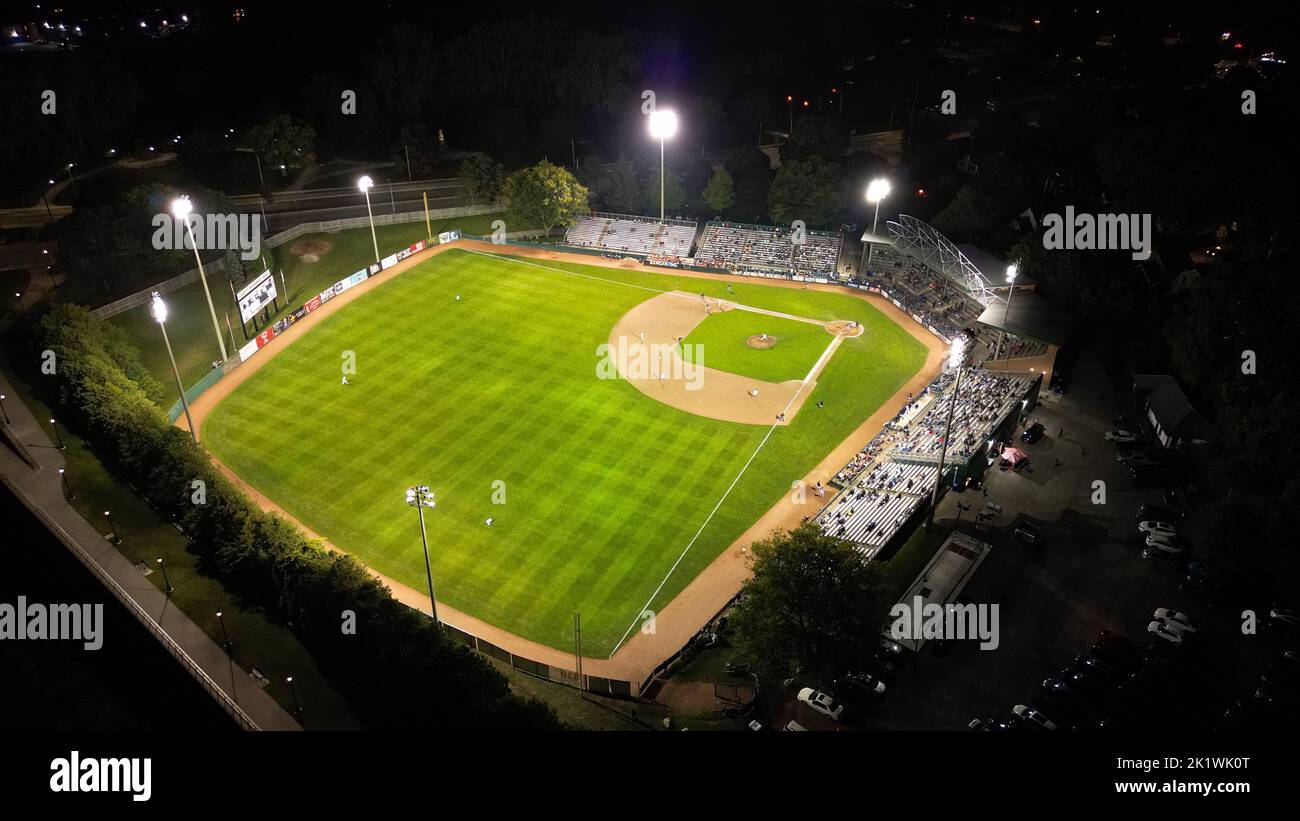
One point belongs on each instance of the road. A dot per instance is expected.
(286, 209)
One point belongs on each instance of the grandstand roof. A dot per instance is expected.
(921, 241)
(1031, 316)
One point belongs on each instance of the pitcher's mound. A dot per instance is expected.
(310, 250)
(842, 327)
(761, 342)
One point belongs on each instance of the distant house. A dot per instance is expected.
(1166, 412)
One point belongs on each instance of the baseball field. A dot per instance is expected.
(477, 374)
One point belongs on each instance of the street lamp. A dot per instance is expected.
(420, 497)
(663, 125)
(3, 410)
(225, 637)
(877, 190)
(159, 310)
(114, 538)
(789, 105)
(58, 434)
(297, 708)
(957, 361)
(1012, 271)
(181, 208)
(67, 486)
(166, 582)
(365, 184)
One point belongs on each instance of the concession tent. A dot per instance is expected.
(1014, 455)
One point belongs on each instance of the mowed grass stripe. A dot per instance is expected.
(796, 346)
(604, 485)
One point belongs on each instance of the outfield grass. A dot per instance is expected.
(605, 487)
(796, 345)
(190, 326)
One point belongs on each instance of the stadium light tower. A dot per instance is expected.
(956, 360)
(420, 497)
(877, 190)
(181, 208)
(159, 310)
(1012, 271)
(365, 184)
(663, 125)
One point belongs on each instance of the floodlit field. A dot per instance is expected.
(604, 486)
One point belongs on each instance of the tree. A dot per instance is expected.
(674, 193)
(282, 140)
(751, 173)
(720, 193)
(808, 190)
(969, 215)
(544, 196)
(619, 189)
(481, 177)
(418, 147)
(816, 135)
(812, 603)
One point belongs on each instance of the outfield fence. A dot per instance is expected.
(561, 675)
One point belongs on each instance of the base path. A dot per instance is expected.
(678, 621)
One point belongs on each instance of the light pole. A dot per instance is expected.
(420, 497)
(113, 537)
(21, 306)
(159, 310)
(73, 180)
(225, 637)
(365, 184)
(67, 486)
(166, 582)
(58, 435)
(3, 410)
(297, 708)
(877, 190)
(181, 208)
(663, 125)
(789, 106)
(956, 360)
(1012, 271)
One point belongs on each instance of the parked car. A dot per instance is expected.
(1166, 614)
(1122, 436)
(1162, 630)
(1157, 540)
(1159, 551)
(1032, 433)
(863, 683)
(994, 723)
(1157, 526)
(1032, 717)
(822, 703)
(795, 727)
(1164, 514)
(1028, 533)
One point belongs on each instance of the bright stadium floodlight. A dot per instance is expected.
(877, 190)
(956, 360)
(181, 209)
(1013, 271)
(159, 310)
(365, 184)
(420, 497)
(663, 125)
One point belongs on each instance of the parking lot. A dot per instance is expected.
(1085, 574)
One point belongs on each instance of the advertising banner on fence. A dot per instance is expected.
(256, 295)
(248, 350)
(312, 304)
(388, 262)
(448, 236)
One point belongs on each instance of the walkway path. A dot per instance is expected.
(41, 492)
